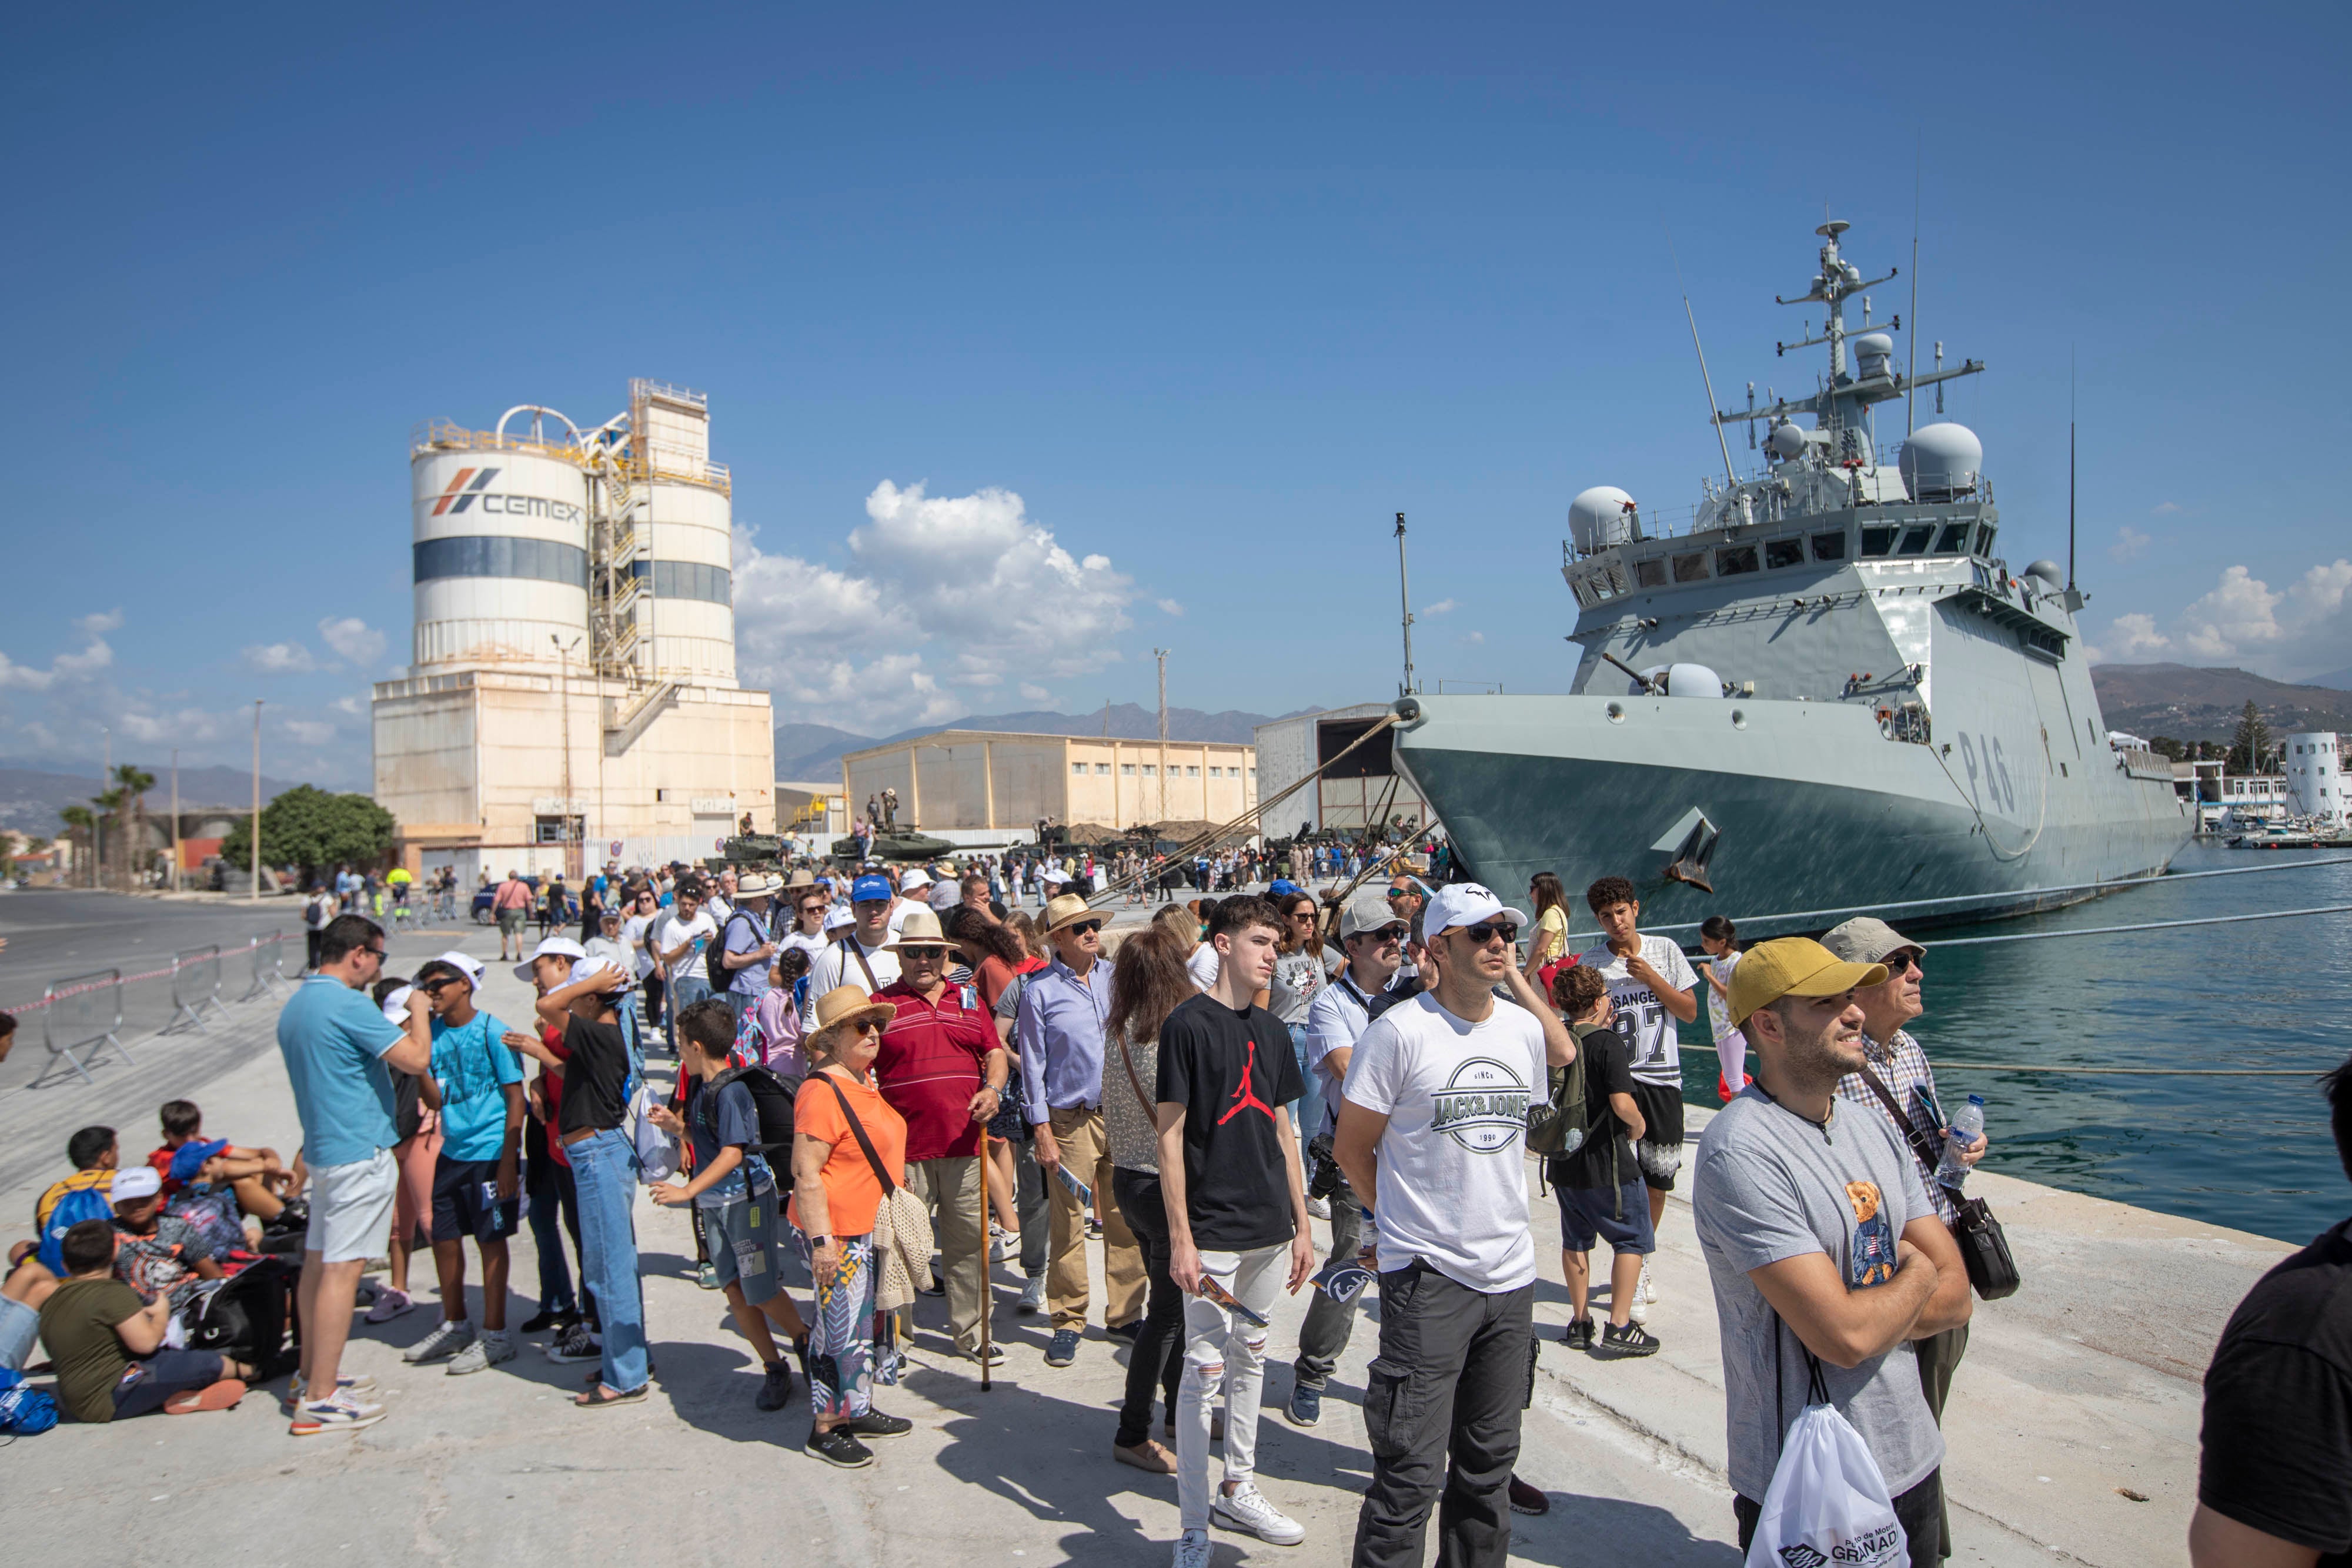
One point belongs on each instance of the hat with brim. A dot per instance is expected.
(799, 878)
(920, 929)
(844, 1007)
(550, 947)
(1793, 966)
(1069, 908)
(134, 1182)
(756, 884)
(1865, 940)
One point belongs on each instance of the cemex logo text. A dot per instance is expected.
(472, 485)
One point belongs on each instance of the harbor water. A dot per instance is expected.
(2250, 1152)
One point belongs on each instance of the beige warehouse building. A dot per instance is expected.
(963, 781)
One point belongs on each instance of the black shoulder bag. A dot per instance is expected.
(1984, 1246)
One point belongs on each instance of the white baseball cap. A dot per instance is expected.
(550, 948)
(395, 1004)
(1464, 903)
(840, 917)
(915, 877)
(465, 964)
(589, 967)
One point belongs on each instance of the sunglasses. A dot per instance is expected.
(920, 950)
(1385, 934)
(1480, 935)
(1083, 927)
(434, 986)
(1397, 892)
(1901, 963)
(376, 953)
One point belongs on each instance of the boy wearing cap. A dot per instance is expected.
(1433, 1127)
(1824, 1251)
(476, 1084)
(863, 957)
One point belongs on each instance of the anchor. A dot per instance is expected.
(1691, 842)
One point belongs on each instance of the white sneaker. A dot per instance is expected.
(1637, 1308)
(485, 1352)
(1033, 1295)
(1004, 1245)
(389, 1304)
(446, 1339)
(1192, 1550)
(1649, 1286)
(1245, 1508)
(1320, 1208)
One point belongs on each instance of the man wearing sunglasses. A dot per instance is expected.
(1433, 1127)
(1058, 1031)
(337, 1048)
(864, 958)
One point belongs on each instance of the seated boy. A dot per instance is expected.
(93, 1154)
(108, 1346)
(188, 1156)
(161, 1256)
(735, 1189)
(28, 1285)
(476, 1084)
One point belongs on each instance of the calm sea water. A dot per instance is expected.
(2252, 1154)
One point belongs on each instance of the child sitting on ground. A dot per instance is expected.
(108, 1346)
(188, 1157)
(162, 1256)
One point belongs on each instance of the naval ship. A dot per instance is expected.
(1821, 691)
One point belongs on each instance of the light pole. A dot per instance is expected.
(255, 897)
(564, 658)
(176, 819)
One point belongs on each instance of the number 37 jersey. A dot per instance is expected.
(1652, 1049)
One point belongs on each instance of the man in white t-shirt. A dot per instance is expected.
(1651, 987)
(677, 946)
(863, 959)
(1433, 1127)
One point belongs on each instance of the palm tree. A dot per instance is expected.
(109, 805)
(81, 831)
(135, 782)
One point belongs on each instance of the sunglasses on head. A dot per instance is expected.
(1480, 935)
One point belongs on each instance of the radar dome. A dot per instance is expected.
(1786, 441)
(1873, 353)
(1600, 517)
(2047, 570)
(1941, 461)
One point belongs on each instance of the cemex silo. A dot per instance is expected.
(573, 698)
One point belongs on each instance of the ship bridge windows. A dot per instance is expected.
(1779, 553)
(1735, 560)
(1830, 546)
(1953, 541)
(1650, 573)
(1878, 540)
(1691, 568)
(1914, 539)
(1984, 539)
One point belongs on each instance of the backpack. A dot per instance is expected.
(1559, 1123)
(24, 1411)
(714, 965)
(82, 1203)
(772, 1097)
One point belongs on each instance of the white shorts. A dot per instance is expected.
(350, 1208)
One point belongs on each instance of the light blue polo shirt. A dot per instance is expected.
(333, 1040)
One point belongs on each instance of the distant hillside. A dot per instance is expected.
(2191, 704)
(814, 750)
(30, 799)
(2334, 680)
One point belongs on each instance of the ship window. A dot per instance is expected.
(1691, 568)
(1878, 542)
(1616, 576)
(1830, 547)
(1779, 553)
(1732, 562)
(1651, 573)
(1984, 539)
(1914, 540)
(1955, 539)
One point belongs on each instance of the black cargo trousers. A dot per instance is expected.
(1442, 1408)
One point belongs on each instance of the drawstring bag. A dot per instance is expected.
(1828, 1503)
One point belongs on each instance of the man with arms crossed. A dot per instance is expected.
(1433, 1127)
(1820, 1243)
(1237, 1203)
(337, 1047)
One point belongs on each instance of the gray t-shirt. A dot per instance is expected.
(1770, 1186)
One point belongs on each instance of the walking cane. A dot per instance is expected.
(987, 1266)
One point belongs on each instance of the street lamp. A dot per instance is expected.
(255, 897)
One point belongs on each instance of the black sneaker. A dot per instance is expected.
(540, 1322)
(1631, 1340)
(873, 1423)
(1306, 1407)
(1580, 1335)
(1063, 1349)
(775, 1388)
(1526, 1499)
(839, 1448)
(1124, 1333)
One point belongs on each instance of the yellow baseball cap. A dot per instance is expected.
(1793, 966)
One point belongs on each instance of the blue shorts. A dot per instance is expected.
(1622, 1218)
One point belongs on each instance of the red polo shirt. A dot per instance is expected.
(930, 1067)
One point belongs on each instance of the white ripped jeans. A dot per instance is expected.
(1219, 1346)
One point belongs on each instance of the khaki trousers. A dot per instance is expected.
(952, 1187)
(1086, 1153)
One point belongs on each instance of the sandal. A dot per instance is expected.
(597, 1398)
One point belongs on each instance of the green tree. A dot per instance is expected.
(2165, 746)
(133, 782)
(314, 829)
(2252, 744)
(81, 830)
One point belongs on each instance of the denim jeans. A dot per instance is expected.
(1307, 1111)
(684, 992)
(550, 1206)
(1155, 1363)
(605, 1169)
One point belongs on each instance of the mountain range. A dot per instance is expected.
(813, 752)
(2188, 703)
(31, 797)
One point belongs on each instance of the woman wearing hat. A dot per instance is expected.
(835, 1195)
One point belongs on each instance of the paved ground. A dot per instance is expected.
(2083, 1384)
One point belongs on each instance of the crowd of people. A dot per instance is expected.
(889, 1085)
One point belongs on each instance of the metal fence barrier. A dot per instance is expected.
(195, 986)
(268, 967)
(79, 1014)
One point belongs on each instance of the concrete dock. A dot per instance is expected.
(2078, 1392)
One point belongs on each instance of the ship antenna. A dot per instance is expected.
(1911, 371)
(2070, 470)
(1704, 379)
(1405, 598)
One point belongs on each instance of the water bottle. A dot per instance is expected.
(1967, 1127)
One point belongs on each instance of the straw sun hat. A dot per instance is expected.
(844, 1007)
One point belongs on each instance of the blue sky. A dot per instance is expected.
(1213, 298)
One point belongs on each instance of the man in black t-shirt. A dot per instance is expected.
(1599, 1185)
(1236, 1205)
(2274, 1486)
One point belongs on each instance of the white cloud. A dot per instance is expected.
(278, 658)
(1471, 638)
(351, 706)
(100, 623)
(2129, 542)
(1170, 607)
(969, 581)
(2306, 625)
(2164, 509)
(2129, 638)
(309, 731)
(1440, 608)
(352, 638)
(1035, 694)
(95, 656)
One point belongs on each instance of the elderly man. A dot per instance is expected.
(941, 1068)
(746, 950)
(1896, 1085)
(1059, 1031)
(946, 890)
(864, 958)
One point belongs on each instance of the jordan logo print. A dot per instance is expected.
(1245, 1097)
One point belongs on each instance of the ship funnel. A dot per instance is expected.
(1600, 517)
(1942, 462)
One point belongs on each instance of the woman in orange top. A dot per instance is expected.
(835, 1193)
